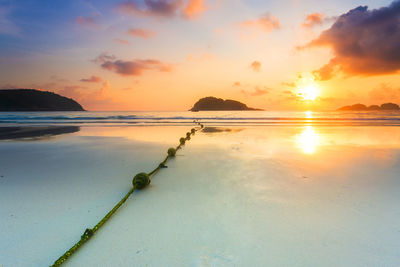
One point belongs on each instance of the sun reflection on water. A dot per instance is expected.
(308, 140)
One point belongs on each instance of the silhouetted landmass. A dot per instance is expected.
(361, 107)
(35, 100)
(8, 133)
(213, 103)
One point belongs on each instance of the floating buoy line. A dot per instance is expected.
(140, 181)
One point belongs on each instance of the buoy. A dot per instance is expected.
(141, 180)
(171, 152)
(182, 141)
(193, 131)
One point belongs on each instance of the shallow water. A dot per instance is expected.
(209, 117)
(303, 195)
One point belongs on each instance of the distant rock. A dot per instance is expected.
(213, 103)
(361, 107)
(374, 107)
(35, 100)
(390, 106)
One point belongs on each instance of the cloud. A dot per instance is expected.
(103, 57)
(132, 67)
(91, 98)
(151, 8)
(122, 41)
(163, 8)
(257, 91)
(92, 79)
(194, 8)
(266, 22)
(364, 42)
(256, 66)
(87, 22)
(142, 33)
(289, 84)
(236, 84)
(316, 19)
(72, 91)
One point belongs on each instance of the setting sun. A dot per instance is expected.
(310, 92)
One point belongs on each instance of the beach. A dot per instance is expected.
(233, 196)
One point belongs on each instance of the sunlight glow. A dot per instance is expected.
(308, 140)
(310, 92)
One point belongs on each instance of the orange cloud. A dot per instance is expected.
(92, 79)
(256, 66)
(313, 19)
(265, 22)
(194, 8)
(91, 98)
(260, 91)
(257, 91)
(142, 33)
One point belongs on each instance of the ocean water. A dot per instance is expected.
(120, 118)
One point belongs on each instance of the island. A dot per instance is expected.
(213, 103)
(362, 107)
(35, 100)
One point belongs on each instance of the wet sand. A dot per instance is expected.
(10, 133)
(264, 196)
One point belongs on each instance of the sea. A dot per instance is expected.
(228, 118)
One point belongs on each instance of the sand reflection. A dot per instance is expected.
(308, 140)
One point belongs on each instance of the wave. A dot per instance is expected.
(188, 117)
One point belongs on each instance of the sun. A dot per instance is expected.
(309, 92)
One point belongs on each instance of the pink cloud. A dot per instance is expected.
(142, 33)
(265, 22)
(92, 79)
(103, 57)
(135, 67)
(163, 8)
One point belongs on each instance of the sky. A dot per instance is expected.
(166, 54)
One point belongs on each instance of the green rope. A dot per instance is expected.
(140, 181)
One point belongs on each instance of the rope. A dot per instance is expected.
(140, 181)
